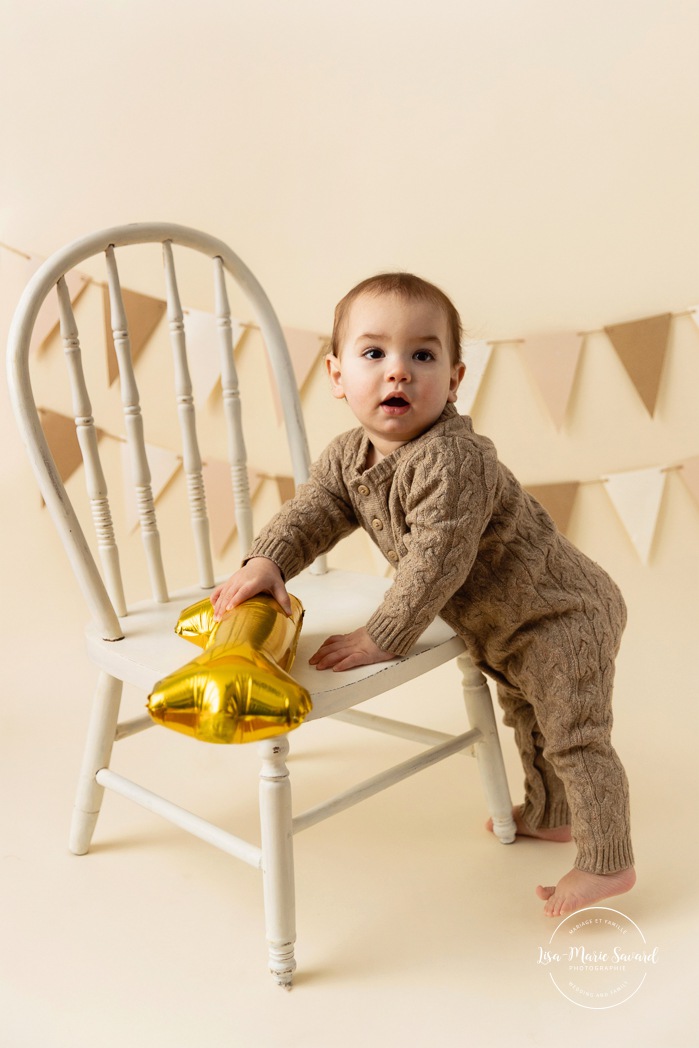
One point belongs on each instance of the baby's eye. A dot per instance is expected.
(373, 353)
(423, 355)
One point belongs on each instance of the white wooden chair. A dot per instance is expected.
(135, 643)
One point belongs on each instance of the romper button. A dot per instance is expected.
(377, 524)
(363, 489)
(392, 555)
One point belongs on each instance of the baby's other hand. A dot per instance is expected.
(259, 575)
(347, 650)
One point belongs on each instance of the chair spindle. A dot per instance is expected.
(187, 418)
(237, 455)
(88, 441)
(133, 420)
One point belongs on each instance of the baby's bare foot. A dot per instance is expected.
(578, 889)
(560, 834)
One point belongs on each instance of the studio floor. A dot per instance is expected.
(414, 925)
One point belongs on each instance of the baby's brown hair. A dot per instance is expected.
(409, 287)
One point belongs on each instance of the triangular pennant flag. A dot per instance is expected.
(690, 475)
(636, 496)
(286, 488)
(163, 465)
(553, 358)
(641, 346)
(476, 357)
(220, 501)
(143, 315)
(304, 349)
(557, 500)
(62, 439)
(48, 317)
(201, 332)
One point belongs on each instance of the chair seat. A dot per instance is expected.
(336, 602)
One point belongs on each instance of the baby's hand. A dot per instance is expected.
(259, 575)
(347, 650)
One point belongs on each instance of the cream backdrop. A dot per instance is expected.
(538, 159)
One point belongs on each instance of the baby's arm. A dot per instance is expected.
(258, 575)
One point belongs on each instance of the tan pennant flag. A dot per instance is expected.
(636, 496)
(557, 500)
(304, 349)
(220, 501)
(286, 488)
(553, 358)
(49, 317)
(476, 355)
(143, 315)
(641, 346)
(62, 439)
(690, 475)
(201, 332)
(163, 465)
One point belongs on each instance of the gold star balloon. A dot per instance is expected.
(239, 688)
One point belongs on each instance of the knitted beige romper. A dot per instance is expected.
(469, 544)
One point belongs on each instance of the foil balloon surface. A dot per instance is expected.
(239, 688)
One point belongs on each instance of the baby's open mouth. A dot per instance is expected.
(396, 401)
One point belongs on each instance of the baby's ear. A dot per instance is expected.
(334, 370)
(457, 374)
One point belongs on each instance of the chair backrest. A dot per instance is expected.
(103, 586)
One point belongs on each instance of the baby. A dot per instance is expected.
(468, 544)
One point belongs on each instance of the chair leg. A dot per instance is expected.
(98, 749)
(479, 707)
(277, 859)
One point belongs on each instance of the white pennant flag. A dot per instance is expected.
(201, 333)
(163, 465)
(476, 356)
(636, 496)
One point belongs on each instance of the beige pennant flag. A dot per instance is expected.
(553, 358)
(48, 317)
(202, 335)
(143, 314)
(163, 465)
(286, 488)
(220, 501)
(641, 346)
(476, 356)
(636, 496)
(690, 475)
(304, 349)
(557, 500)
(62, 439)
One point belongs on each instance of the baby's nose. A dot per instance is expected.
(397, 370)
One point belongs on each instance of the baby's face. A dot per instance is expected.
(395, 368)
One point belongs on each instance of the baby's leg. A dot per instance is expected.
(566, 746)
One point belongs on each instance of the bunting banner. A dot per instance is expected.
(641, 347)
(286, 488)
(143, 315)
(553, 360)
(304, 349)
(201, 333)
(690, 475)
(636, 496)
(62, 439)
(15, 272)
(163, 465)
(557, 499)
(48, 318)
(220, 501)
(476, 356)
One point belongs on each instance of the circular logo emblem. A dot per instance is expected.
(597, 957)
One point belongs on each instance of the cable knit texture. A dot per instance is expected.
(470, 544)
